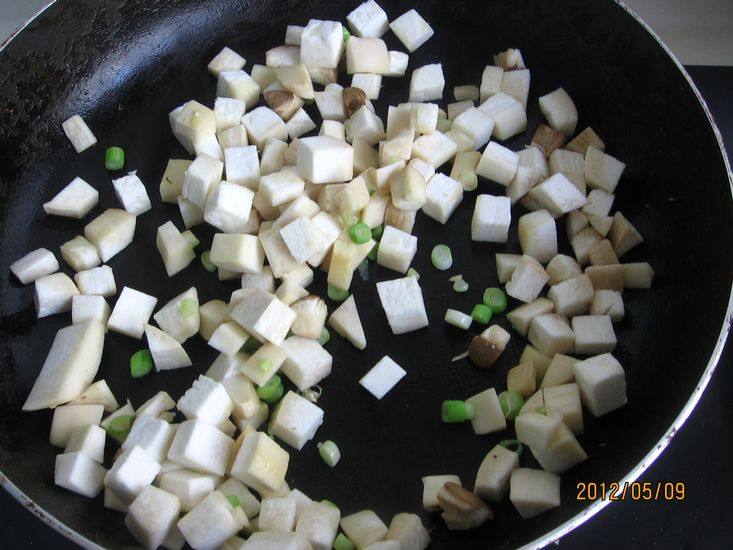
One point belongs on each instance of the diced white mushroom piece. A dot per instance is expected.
(382, 377)
(276, 515)
(34, 265)
(572, 296)
(319, 524)
(476, 124)
(367, 56)
(226, 60)
(431, 486)
(53, 294)
(293, 34)
(487, 414)
(623, 235)
(174, 319)
(537, 430)
(491, 219)
(278, 255)
(498, 164)
(594, 334)
(200, 178)
(436, 149)
(463, 143)
(260, 463)
(368, 20)
(538, 235)
(242, 166)
(323, 159)
(427, 83)
(582, 242)
(563, 401)
(602, 171)
(560, 111)
(561, 268)
(174, 248)
(492, 479)
(516, 84)
(403, 304)
(79, 134)
(273, 157)
(460, 107)
(131, 473)
(466, 92)
(88, 440)
(248, 501)
(110, 232)
(638, 275)
(396, 249)
(237, 84)
(155, 406)
(73, 201)
(534, 491)
(330, 105)
(505, 265)
(238, 253)
(152, 515)
(264, 316)
(262, 124)
(602, 384)
(398, 62)
(131, 312)
(322, 44)
(206, 400)
(296, 420)
(599, 203)
(550, 334)
(558, 195)
(289, 292)
(371, 84)
(302, 207)
(80, 254)
(507, 113)
(211, 315)
(167, 353)
(299, 124)
(84, 308)
(190, 487)
(264, 280)
(282, 56)
(408, 189)
(365, 125)
(491, 80)
(408, 531)
(228, 112)
(201, 447)
(527, 280)
(411, 29)
(79, 473)
(373, 212)
(608, 302)
(521, 317)
(131, 193)
(242, 392)
(364, 528)
(443, 195)
(68, 418)
(192, 122)
(281, 187)
(306, 362)
(302, 239)
(152, 435)
(212, 522)
(191, 214)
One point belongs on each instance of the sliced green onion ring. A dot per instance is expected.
(513, 445)
(329, 452)
(441, 257)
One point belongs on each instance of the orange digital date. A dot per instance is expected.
(637, 490)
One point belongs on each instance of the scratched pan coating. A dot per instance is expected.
(124, 65)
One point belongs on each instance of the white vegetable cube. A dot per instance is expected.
(330, 105)
(605, 302)
(188, 486)
(35, 265)
(191, 214)
(322, 44)
(593, 334)
(396, 249)
(431, 486)
(280, 56)
(516, 84)
(226, 60)
(507, 113)
(263, 364)
(296, 420)
(242, 166)
(412, 30)
(537, 430)
(131, 473)
(534, 491)
(281, 187)
(436, 149)
(174, 249)
(442, 197)
(487, 414)
(560, 111)
(80, 254)
(306, 362)
(131, 193)
(602, 171)
(397, 63)
(273, 156)
(491, 219)
(364, 528)
(277, 514)
(457, 109)
(238, 85)
(131, 312)
(152, 515)
(242, 393)
(476, 124)
(200, 178)
(152, 435)
(572, 296)
(224, 367)
(558, 195)
(68, 418)
(264, 316)
(238, 253)
(260, 463)
(79, 134)
(201, 447)
(73, 201)
(492, 479)
(368, 20)
(333, 128)
(161, 402)
(79, 473)
(408, 532)
(212, 522)
(491, 80)
(263, 280)
(262, 124)
(498, 164)
(53, 294)
(550, 334)
(427, 83)
(228, 112)
(365, 125)
(175, 320)
(293, 34)
(110, 232)
(319, 524)
(382, 377)
(302, 239)
(538, 235)
(88, 440)
(403, 304)
(299, 124)
(248, 502)
(323, 159)
(602, 384)
(99, 281)
(371, 84)
(206, 400)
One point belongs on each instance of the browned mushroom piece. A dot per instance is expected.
(354, 99)
(547, 139)
(284, 103)
(461, 508)
(484, 351)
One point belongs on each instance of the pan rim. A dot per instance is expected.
(565, 528)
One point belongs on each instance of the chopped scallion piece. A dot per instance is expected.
(363, 270)
(329, 452)
(495, 299)
(187, 307)
(206, 262)
(373, 252)
(325, 337)
(482, 314)
(191, 238)
(271, 391)
(312, 394)
(329, 503)
(511, 402)
(337, 294)
(469, 180)
(458, 319)
(377, 232)
(541, 410)
(265, 365)
(513, 445)
(343, 542)
(114, 158)
(233, 500)
(413, 273)
(444, 125)
(347, 34)
(456, 412)
(459, 285)
(141, 363)
(360, 233)
(348, 219)
(441, 257)
(119, 427)
(251, 345)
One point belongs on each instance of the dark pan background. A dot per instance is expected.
(124, 65)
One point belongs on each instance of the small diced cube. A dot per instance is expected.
(550, 334)
(427, 83)
(68, 418)
(88, 440)
(364, 528)
(260, 463)
(79, 473)
(368, 20)
(190, 487)
(79, 134)
(403, 304)
(397, 63)
(593, 334)
(84, 308)
(431, 486)
(371, 84)
(174, 248)
(212, 522)
(264, 316)
(608, 302)
(131, 473)
(476, 124)
(131, 193)
(152, 435)
(322, 44)
(306, 362)
(263, 364)
(382, 377)
(262, 124)
(560, 111)
(319, 524)
(396, 249)
(242, 166)
(602, 384)
(323, 159)
(443, 195)
(110, 232)
(492, 479)
(152, 515)
(238, 253)
(226, 60)
(237, 84)
(534, 491)
(538, 235)
(34, 265)
(436, 149)
(131, 313)
(558, 195)
(206, 400)
(572, 296)
(299, 124)
(602, 171)
(277, 514)
(73, 201)
(412, 30)
(330, 105)
(281, 187)
(498, 164)
(228, 112)
(487, 413)
(508, 115)
(296, 420)
(53, 294)
(200, 178)
(201, 447)
(491, 219)
(302, 239)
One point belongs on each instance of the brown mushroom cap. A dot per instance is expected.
(354, 99)
(484, 352)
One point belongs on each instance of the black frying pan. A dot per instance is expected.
(124, 65)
